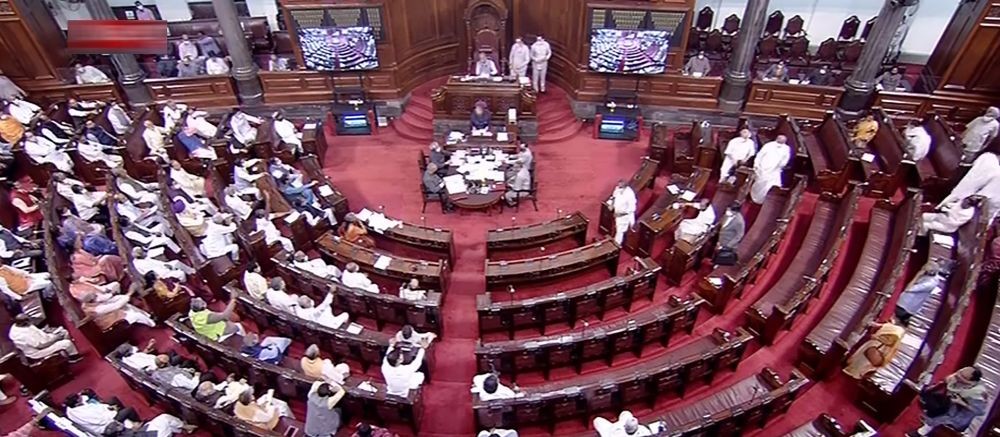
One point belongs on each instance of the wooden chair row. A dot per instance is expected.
(522, 237)
(436, 242)
(496, 314)
(761, 239)
(892, 387)
(829, 152)
(383, 308)
(647, 237)
(290, 383)
(630, 335)
(431, 274)
(643, 179)
(672, 372)
(803, 278)
(827, 426)
(681, 151)
(603, 252)
(888, 246)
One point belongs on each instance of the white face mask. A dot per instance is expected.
(701, 56)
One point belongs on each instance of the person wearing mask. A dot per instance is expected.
(820, 77)
(698, 65)
(738, 151)
(931, 282)
(208, 45)
(732, 229)
(86, 74)
(890, 80)
(692, 229)
(541, 52)
(322, 414)
(918, 142)
(519, 185)
(186, 49)
(216, 65)
(776, 72)
(520, 57)
(954, 402)
(948, 217)
(480, 119)
(981, 131)
(768, 166)
(143, 13)
(623, 203)
(485, 67)
(437, 156)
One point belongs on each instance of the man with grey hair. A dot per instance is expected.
(627, 425)
(323, 369)
(931, 282)
(172, 269)
(215, 326)
(354, 278)
(218, 239)
(315, 266)
(436, 155)
(981, 131)
(277, 297)
(322, 313)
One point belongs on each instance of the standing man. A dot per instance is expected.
(738, 151)
(520, 56)
(623, 204)
(540, 54)
(767, 167)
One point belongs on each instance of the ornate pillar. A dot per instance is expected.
(129, 73)
(859, 88)
(244, 69)
(738, 75)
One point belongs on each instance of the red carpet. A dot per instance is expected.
(574, 172)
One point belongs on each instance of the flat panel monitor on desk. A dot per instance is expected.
(618, 123)
(353, 119)
(629, 51)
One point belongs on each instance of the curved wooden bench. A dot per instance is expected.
(432, 274)
(803, 278)
(829, 151)
(645, 238)
(888, 246)
(888, 147)
(328, 194)
(543, 268)
(827, 426)
(692, 148)
(522, 237)
(943, 166)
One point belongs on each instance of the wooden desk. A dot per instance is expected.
(456, 99)
(571, 226)
(605, 252)
(329, 197)
(801, 101)
(430, 273)
(201, 91)
(661, 217)
(436, 240)
(642, 179)
(477, 201)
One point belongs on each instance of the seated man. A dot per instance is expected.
(175, 376)
(265, 412)
(698, 65)
(244, 127)
(288, 133)
(518, 186)
(485, 67)
(278, 297)
(55, 131)
(297, 193)
(627, 425)
(216, 65)
(315, 266)
(931, 282)
(120, 120)
(13, 246)
(173, 113)
(981, 131)
(241, 205)
(488, 387)
(38, 343)
(145, 193)
(82, 110)
(191, 66)
(15, 282)
(131, 356)
(196, 146)
(43, 151)
(208, 45)
(155, 138)
(864, 132)
(214, 326)
(11, 130)
(93, 152)
(322, 368)
(877, 352)
(354, 231)
(918, 142)
(322, 313)
(401, 376)
(162, 425)
(96, 133)
(411, 291)
(820, 77)
(107, 309)
(96, 416)
(254, 282)
(190, 184)
(433, 183)
(949, 217)
(738, 151)
(197, 120)
(409, 336)
(480, 119)
(269, 350)
(353, 277)
(86, 74)
(173, 269)
(692, 229)
(437, 155)
(776, 72)
(890, 80)
(274, 63)
(27, 202)
(23, 110)
(245, 176)
(218, 240)
(263, 223)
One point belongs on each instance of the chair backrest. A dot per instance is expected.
(827, 51)
(868, 28)
(705, 17)
(832, 135)
(767, 48)
(799, 49)
(795, 26)
(850, 28)
(774, 22)
(731, 24)
(713, 44)
(852, 51)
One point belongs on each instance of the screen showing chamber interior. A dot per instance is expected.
(629, 51)
(338, 48)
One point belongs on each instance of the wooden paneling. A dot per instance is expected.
(659, 90)
(956, 108)
(968, 57)
(201, 92)
(47, 95)
(32, 47)
(800, 101)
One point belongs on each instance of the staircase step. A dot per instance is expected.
(562, 134)
(409, 132)
(420, 113)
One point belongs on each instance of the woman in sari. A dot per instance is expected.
(878, 351)
(354, 231)
(104, 268)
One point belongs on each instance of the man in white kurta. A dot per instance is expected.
(485, 67)
(401, 377)
(278, 297)
(623, 204)
(767, 167)
(23, 110)
(918, 142)
(119, 118)
(692, 229)
(540, 54)
(197, 121)
(353, 277)
(102, 304)
(216, 65)
(191, 184)
(983, 179)
(254, 282)
(489, 387)
(322, 313)
(626, 426)
(172, 269)
(271, 233)
(156, 139)
(244, 127)
(240, 207)
(81, 109)
(89, 74)
(315, 266)
(519, 185)
(186, 48)
(949, 218)
(287, 132)
(56, 131)
(981, 131)
(738, 151)
(41, 151)
(520, 57)
(218, 240)
(92, 151)
(172, 114)
(37, 343)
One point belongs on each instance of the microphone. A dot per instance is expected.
(586, 324)
(510, 292)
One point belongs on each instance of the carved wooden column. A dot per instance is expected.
(129, 73)
(244, 69)
(859, 88)
(737, 77)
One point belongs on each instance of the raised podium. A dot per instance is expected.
(454, 101)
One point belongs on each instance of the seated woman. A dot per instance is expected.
(105, 268)
(877, 351)
(480, 119)
(954, 402)
(354, 231)
(265, 412)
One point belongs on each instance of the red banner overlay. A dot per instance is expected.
(117, 36)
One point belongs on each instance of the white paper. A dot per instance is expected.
(155, 252)
(354, 328)
(503, 137)
(794, 81)
(308, 126)
(673, 189)
(715, 281)
(292, 217)
(382, 262)
(688, 196)
(512, 115)
(364, 214)
(325, 190)
(455, 184)
(945, 240)
(367, 387)
(868, 157)
(524, 81)
(697, 74)
(24, 263)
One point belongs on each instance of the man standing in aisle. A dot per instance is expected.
(520, 56)
(540, 54)
(623, 204)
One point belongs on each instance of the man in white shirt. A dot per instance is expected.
(55, 131)
(918, 142)
(37, 343)
(254, 282)
(94, 416)
(485, 67)
(402, 377)
(241, 207)
(156, 139)
(949, 217)
(272, 235)
(186, 48)
(520, 56)
(244, 127)
(218, 240)
(89, 74)
(497, 432)
(322, 313)
(692, 229)
(196, 120)
(81, 110)
(315, 266)
(101, 304)
(23, 110)
(277, 64)
(86, 203)
(519, 186)
(981, 131)
(982, 179)
(173, 113)
(354, 278)
(277, 297)
(119, 118)
(411, 291)
(216, 65)
(410, 337)
(42, 151)
(488, 387)
(289, 135)
(626, 426)
(173, 269)
(139, 360)
(623, 204)
(540, 54)
(191, 184)
(767, 167)
(738, 151)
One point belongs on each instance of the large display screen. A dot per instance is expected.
(629, 51)
(338, 48)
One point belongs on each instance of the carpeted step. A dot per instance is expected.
(548, 124)
(411, 131)
(416, 101)
(420, 114)
(562, 134)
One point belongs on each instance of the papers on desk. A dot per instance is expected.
(503, 137)
(715, 281)
(482, 132)
(325, 190)
(367, 387)
(25, 263)
(292, 217)
(868, 157)
(155, 252)
(697, 74)
(794, 82)
(354, 328)
(673, 189)
(378, 222)
(943, 240)
(688, 196)
(455, 137)
(455, 184)
(524, 80)
(308, 126)
(382, 262)
(912, 341)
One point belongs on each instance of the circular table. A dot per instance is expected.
(476, 201)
